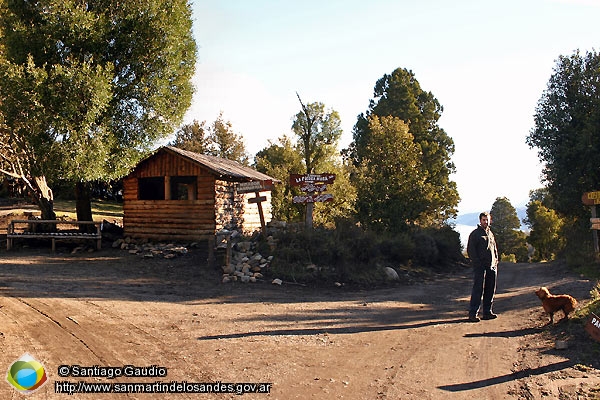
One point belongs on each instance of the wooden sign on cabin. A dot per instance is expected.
(255, 186)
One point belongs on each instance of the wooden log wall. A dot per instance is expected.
(216, 206)
(181, 220)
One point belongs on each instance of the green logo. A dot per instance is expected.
(26, 374)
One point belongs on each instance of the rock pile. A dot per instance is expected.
(246, 264)
(150, 250)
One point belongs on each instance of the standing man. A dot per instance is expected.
(483, 254)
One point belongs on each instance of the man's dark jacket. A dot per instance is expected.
(478, 248)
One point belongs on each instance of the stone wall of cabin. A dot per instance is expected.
(233, 211)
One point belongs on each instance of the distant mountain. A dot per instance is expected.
(465, 223)
(472, 219)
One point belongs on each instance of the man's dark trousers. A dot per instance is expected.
(484, 282)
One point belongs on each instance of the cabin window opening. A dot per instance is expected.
(184, 187)
(151, 188)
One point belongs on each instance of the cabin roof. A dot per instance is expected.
(221, 167)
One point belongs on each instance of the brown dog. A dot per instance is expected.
(553, 303)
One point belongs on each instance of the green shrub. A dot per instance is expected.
(399, 248)
(508, 258)
(426, 250)
(352, 254)
(449, 246)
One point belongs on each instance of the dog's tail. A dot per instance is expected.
(570, 306)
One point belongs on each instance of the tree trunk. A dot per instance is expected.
(43, 197)
(83, 204)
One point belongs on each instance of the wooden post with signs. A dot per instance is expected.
(593, 327)
(592, 199)
(312, 185)
(257, 187)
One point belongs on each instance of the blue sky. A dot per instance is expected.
(486, 62)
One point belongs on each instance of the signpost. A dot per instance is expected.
(301, 180)
(593, 327)
(592, 199)
(313, 186)
(313, 198)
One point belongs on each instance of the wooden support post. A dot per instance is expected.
(228, 252)
(595, 232)
(99, 233)
(212, 240)
(167, 188)
(9, 230)
(310, 207)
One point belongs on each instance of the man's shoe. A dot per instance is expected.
(474, 318)
(490, 316)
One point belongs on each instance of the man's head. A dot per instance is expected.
(485, 219)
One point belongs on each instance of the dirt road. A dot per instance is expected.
(112, 309)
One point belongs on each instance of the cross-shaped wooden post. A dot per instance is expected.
(258, 200)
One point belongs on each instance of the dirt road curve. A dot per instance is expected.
(111, 309)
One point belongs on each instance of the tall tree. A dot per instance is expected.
(279, 160)
(218, 139)
(566, 131)
(545, 225)
(400, 95)
(318, 133)
(567, 122)
(505, 224)
(87, 87)
(225, 143)
(389, 193)
(192, 137)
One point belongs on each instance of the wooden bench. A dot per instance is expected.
(12, 234)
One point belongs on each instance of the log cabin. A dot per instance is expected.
(179, 195)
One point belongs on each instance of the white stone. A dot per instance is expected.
(391, 274)
(277, 281)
